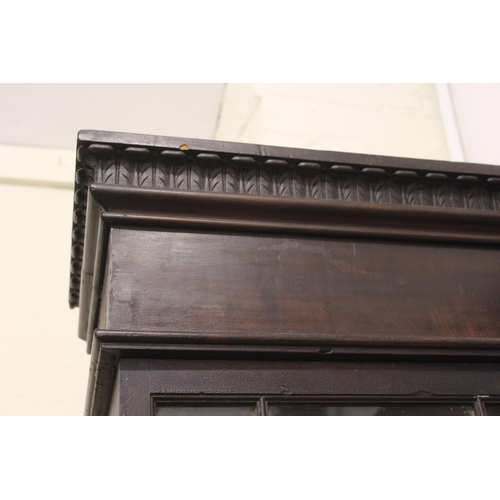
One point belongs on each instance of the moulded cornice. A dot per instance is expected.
(355, 194)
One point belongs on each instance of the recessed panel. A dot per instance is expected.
(399, 410)
(492, 409)
(166, 410)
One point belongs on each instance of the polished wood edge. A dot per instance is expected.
(293, 343)
(313, 398)
(206, 166)
(101, 377)
(92, 268)
(297, 352)
(227, 212)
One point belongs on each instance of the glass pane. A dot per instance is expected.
(207, 411)
(358, 410)
(492, 409)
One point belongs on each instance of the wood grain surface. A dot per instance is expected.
(340, 288)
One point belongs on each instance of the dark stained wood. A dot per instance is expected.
(209, 270)
(119, 139)
(201, 381)
(292, 346)
(245, 213)
(184, 165)
(342, 289)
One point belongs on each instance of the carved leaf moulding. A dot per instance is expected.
(195, 170)
(168, 169)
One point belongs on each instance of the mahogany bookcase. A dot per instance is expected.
(238, 279)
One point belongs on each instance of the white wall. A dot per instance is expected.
(50, 115)
(43, 365)
(477, 114)
(386, 119)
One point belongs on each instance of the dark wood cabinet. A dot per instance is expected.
(224, 278)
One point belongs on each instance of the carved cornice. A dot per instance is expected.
(214, 167)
